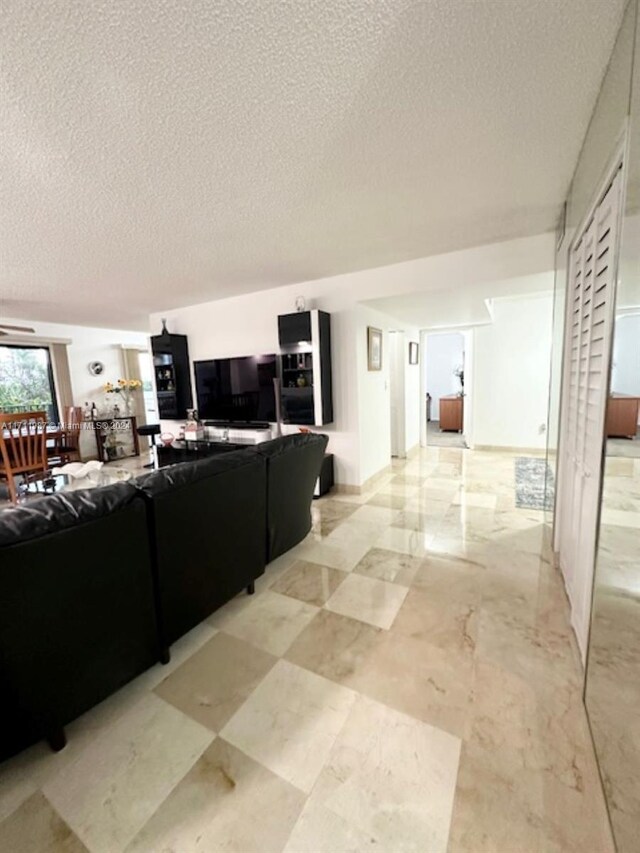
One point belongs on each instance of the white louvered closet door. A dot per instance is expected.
(590, 301)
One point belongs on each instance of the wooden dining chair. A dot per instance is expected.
(23, 451)
(66, 447)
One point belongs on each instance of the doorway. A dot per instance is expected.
(445, 389)
(622, 425)
(397, 394)
(404, 392)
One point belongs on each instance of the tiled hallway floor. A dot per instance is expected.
(403, 680)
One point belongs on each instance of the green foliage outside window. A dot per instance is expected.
(25, 383)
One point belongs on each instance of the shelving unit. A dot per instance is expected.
(172, 377)
(305, 366)
(297, 370)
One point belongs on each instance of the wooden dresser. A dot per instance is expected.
(451, 413)
(622, 416)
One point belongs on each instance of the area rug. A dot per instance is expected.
(534, 483)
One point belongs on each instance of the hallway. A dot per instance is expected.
(404, 680)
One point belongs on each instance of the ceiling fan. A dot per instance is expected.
(10, 329)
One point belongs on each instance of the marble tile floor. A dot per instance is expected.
(405, 679)
(613, 687)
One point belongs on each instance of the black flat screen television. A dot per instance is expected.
(237, 390)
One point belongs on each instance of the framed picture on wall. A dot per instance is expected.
(414, 350)
(374, 348)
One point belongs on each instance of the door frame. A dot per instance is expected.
(397, 394)
(468, 345)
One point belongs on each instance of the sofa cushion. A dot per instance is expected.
(77, 615)
(293, 466)
(53, 513)
(208, 533)
(286, 444)
(186, 473)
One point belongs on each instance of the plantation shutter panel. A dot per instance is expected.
(602, 302)
(590, 300)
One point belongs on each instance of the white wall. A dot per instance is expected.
(404, 386)
(511, 373)
(397, 394)
(414, 408)
(360, 436)
(444, 353)
(469, 378)
(374, 396)
(625, 370)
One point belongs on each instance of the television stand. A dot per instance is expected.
(237, 433)
(188, 451)
(249, 425)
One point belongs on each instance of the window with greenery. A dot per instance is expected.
(26, 380)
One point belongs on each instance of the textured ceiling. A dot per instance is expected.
(466, 305)
(157, 153)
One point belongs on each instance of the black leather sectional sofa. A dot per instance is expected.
(95, 585)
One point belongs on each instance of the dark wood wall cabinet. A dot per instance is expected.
(305, 368)
(172, 375)
(451, 413)
(622, 416)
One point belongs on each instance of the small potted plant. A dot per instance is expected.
(459, 372)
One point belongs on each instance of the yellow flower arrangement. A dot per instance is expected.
(125, 389)
(122, 385)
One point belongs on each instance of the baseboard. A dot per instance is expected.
(367, 486)
(500, 448)
(579, 630)
(345, 489)
(408, 454)
(373, 481)
(548, 554)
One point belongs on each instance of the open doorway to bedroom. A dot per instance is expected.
(446, 392)
(404, 386)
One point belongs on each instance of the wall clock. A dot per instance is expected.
(96, 368)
